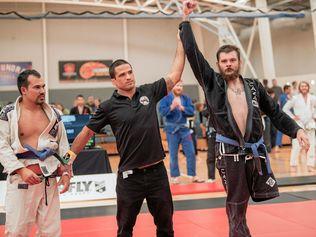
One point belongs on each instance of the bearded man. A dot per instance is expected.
(235, 104)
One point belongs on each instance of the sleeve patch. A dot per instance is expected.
(4, 112)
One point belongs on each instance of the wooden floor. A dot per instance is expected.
(280, 163)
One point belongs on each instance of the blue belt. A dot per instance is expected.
(177, 126)
(253, 146)
(35, 154)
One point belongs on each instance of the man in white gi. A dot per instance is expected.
(32, 190)
(303, 107)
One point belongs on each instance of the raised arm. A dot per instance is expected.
(174, 75)
(200, 67)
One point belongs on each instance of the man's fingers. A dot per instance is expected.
(65, 188)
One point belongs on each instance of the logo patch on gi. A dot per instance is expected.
(144, 100)
(270, 182)
(100, 186)
(53, 132)
(4, 112)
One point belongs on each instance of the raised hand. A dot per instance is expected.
(188, 7)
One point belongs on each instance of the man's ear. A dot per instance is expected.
(23, 90)
(113, 81)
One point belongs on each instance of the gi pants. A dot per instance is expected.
(151, 184)
(185, 139)
(241, 180)
(26, 207)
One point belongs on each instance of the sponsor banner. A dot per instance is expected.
(9, 72)
(90, 187)
(93, 70)
(82, 188)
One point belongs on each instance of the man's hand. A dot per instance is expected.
(28, 176)
(65, 182)
(303, 139)
(188, 7)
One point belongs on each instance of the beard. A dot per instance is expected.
(229, 74)
(177, 93)
(40, 101)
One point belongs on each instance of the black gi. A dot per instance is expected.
(238, 169)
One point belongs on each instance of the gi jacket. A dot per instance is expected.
(215, 90)
(54, 137)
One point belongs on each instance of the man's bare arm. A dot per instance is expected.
(81, 140)
(174, 75)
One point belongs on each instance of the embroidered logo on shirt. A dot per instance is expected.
(270, 182)
(144, 100)
(254, 94)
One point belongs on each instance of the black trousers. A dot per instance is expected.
(241, 180)
(210, 160)
(151, 184)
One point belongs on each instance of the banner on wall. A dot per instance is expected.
(9, 72)
(82, 188)
(93, 70)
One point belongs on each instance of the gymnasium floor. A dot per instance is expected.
(199, 208)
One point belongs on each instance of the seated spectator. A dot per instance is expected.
(80, 107)
(91, 103)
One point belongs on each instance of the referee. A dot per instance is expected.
(131, 112)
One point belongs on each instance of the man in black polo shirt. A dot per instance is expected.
(131, 112)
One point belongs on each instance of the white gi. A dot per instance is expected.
(24, 207)
(306, 113)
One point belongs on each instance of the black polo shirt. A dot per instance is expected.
(134, 123)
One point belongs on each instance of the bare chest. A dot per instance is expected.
(32, 124)
(239, 107)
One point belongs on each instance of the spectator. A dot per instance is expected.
(80, 107)
(294, 88)
(91, 103)
(176, 107)
(285, 96)
(276, 89)
(304, 107)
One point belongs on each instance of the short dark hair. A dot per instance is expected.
(22, 79)
(270, 91)
(265, 82)
(115, 64)
(285, 87)
(227, 48)
(79, 96)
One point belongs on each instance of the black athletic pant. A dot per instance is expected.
(151, 184)
(241, 180)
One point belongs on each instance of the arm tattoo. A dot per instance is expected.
(170, 83)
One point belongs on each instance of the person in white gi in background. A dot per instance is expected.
(32, 189)
(303, 106)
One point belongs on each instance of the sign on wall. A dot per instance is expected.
(93, 70)
(9, 72)
(82, 188)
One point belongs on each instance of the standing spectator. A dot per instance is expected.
(176, 107)
(303, 105)
(265, 83)
(277, 90)
(80, 107)
(294, 88)
(211, 141)
(285, 96)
